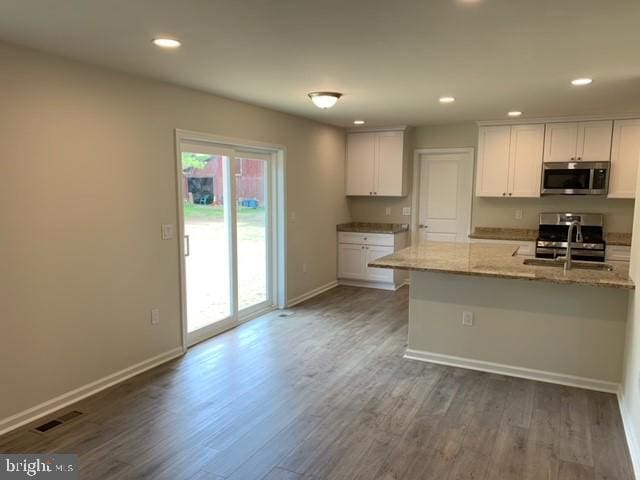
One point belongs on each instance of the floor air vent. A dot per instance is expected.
(45, 427)
(48, 426)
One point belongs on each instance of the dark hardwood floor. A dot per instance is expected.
(326, 394)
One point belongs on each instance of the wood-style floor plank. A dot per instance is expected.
(326, 394)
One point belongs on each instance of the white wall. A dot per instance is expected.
(87, 176)
(630, 389)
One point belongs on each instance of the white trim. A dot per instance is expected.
(568, 118)
(311, 293)
(276, 224)
(61, 401)
(512, 371)
(632, 440)
(415, 194)
(367, 284)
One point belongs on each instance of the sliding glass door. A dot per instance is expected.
(226, 222)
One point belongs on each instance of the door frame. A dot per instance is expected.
(469, 152)
(276, 236)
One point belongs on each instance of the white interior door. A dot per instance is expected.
(445, 193)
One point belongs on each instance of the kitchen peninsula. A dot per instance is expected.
(548, 324)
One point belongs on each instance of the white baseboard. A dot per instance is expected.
(311, 293)
(365, 284)
(540, 375)
(632, 440)
(61, 401)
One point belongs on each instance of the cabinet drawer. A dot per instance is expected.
(618, 253)
(382, 239)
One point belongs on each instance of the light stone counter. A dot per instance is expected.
(498, 261)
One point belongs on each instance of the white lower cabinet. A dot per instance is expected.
(357, 250)
(618, 253)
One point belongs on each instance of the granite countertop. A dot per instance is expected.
(530, 235)
(363, 227)
(517, 234)
(488, 260)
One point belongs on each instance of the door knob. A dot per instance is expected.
(423, 226)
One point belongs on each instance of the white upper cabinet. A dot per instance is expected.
(625, 155)
(509, 161)
(594, 141)
(578, 141)
(560, 142)
(376, 164)
(492, 174)
(360, 163)
(389, 168)
(525, 160)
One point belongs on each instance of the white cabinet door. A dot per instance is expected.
(360, 163)
(492, 175)
(594, 141)
(625, 155)
(378, 274)
(351, 261)
(560, 142)
(525, 164)
(389, 174)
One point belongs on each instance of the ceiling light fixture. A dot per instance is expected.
(358, 122)
(514, 113)
(579, 82)
(165, 42)
(447, 99)
(324, 99)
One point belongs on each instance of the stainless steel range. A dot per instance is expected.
(554, 230)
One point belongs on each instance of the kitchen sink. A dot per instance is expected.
(541, 262)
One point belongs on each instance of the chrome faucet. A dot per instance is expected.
(567, 257)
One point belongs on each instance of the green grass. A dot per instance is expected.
(217, 213)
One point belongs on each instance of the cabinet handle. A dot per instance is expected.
(579, 158)
(573, 158)
(370, 193)
(509, 193)
(503, 194)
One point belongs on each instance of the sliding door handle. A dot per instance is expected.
(187, 246)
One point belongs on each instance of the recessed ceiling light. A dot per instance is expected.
(165, 42)
(324, 99)
(358, 122)
(514, 113)
(447, 99)
(581, 81)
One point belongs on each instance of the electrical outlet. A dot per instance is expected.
(293, 217)
(467, 319)
(387, 211)
(155, 316)
(304, 268)
(406, 211)
(167, 231)
(518, 214)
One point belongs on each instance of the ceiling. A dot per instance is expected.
(391, 59)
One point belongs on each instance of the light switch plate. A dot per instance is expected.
(167, 231)
(467, 319)
(155, 316)
(518, 214)
(406, 211)
(387, 211)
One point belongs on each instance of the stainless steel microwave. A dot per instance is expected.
(575, 178)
